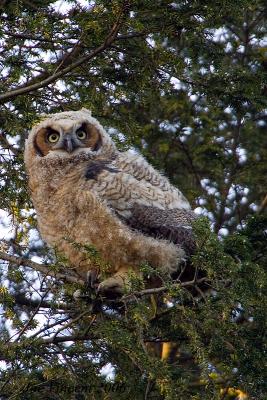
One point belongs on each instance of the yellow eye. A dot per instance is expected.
(53, 137)
(80, 134)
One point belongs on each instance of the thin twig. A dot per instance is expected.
(71, 368)
(32, 317)
(71, 338)
(70, 323)
(7, 145)
(49, 326)
(163, 289)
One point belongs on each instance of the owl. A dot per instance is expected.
(88, 194)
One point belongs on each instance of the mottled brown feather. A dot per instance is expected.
(174, 225)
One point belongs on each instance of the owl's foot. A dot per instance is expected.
(115, 285)
(92, 279)
(78, 295)
(91, 284)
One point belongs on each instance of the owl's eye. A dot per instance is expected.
(81, 134)
(53, 137)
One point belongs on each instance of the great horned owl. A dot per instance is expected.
(87, 192)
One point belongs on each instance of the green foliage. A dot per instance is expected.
(185, 83)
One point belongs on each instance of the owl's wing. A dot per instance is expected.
(174, 225)
(136, 166)
(157, 210)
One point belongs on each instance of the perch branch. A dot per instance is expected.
(162, 289)
(44, 269)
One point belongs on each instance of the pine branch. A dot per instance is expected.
(22, 300)
(44, 269)
(162, 289)
(56, 75)
(6, 145)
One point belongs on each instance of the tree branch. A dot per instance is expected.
(71, 338)
(28, 323)
(7, 145)
(162, 289)
(22, 300)
(28, 37)
(44, 269)
(131, 35)
(55, 76)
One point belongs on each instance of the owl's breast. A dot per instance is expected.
(56, 208)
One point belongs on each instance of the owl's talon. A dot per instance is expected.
(92, 279)
(184, 261)
(79, 295)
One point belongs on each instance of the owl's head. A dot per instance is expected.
(68, 135)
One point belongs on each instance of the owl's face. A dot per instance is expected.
(67, 138)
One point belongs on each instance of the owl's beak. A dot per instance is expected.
(69, 144)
